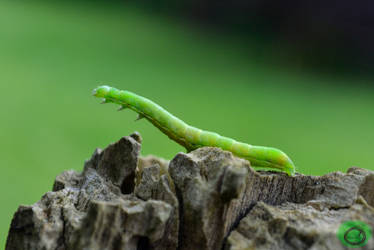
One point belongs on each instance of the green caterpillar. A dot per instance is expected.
(190, 137)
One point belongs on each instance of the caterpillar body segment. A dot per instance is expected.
(190, 137)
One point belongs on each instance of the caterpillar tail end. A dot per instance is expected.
(290, 169)
(287, 166)
(285, 163)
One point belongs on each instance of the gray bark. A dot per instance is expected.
(207, 199)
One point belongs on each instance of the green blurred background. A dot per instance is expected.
(53, 54)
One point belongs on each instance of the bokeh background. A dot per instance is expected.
(294, 76)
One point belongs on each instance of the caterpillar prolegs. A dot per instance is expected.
(190, 137)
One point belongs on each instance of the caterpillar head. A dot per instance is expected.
(101, 91)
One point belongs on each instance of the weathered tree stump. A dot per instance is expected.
(207, 199)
